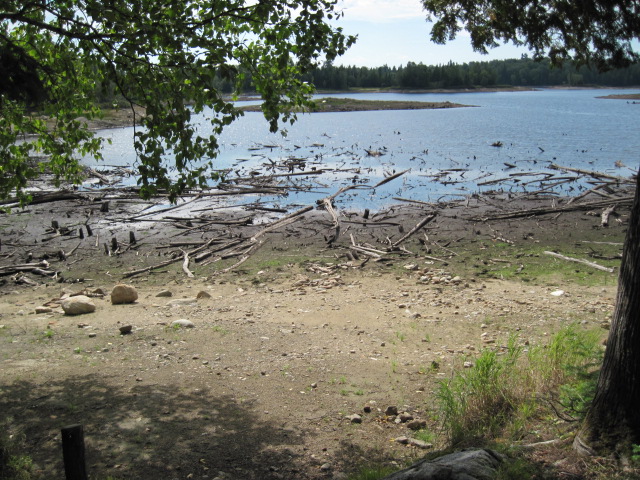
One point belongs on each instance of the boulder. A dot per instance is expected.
(464, 465)
(122, 294)
(77, 305)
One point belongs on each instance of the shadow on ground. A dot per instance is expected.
(153, 432)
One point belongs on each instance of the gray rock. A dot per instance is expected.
(417, 424)
(165, 293)
(414, 442)
(391, 411)
(355, 418)
(202, 295)
(125, 329)
(183, 323)
(44, 310)
(405, 417)
(123, 294)
(78, 305)
(463, 465)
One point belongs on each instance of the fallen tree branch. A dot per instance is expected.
(627, 200)
(591, 173)
(336, 222)
(579, 260)
(605, 215)
(415, 229)
(185, 265)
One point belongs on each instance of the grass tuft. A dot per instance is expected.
(501, 394)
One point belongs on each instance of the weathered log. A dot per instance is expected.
(592, 173)
(579, 260)
(336, 222)
(627, 200)
(605, 215)
(185, 265)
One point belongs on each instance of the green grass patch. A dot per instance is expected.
(374, 472)
(531, 264)
(501, 395)
(14, 465)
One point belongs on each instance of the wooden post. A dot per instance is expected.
(132, 238)
(104, 208)
(73, 453)
(89, 231)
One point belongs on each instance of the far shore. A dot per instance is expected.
(123, 117)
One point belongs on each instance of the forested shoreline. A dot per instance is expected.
(523, 72)
(512, 73)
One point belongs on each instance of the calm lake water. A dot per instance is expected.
(449, 152)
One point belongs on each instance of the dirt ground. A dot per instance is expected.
(287, 346)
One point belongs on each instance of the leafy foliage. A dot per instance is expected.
(598, 31)
(162, 55)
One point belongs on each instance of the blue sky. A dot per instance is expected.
(394, 32)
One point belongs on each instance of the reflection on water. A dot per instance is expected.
(448, 152)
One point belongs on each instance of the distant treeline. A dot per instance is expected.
(524, 72)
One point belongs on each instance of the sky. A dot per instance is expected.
(394, 32)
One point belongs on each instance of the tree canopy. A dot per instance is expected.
(161, 55)
(599, 32)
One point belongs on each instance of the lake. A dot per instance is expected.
(449, 152)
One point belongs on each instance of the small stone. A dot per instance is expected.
(93, 335)
(391, 410)
(420, 444)
(182, 323)
(126, 329)
(416, 424)
(203, 295)
(367, 409)
(355, 418)
(314, 385)
(325, 467)
(405, 417)
(557, 293)
(78, 305)
(43, 310)
(402, 440)
(123, 294)
(467, 364)
(164, 293)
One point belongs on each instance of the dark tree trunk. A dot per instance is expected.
(613, 421)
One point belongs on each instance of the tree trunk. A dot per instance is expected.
(613, 421)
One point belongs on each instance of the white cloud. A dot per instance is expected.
(380, 10)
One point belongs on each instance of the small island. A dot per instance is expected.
(623, 96)
(331, 104)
